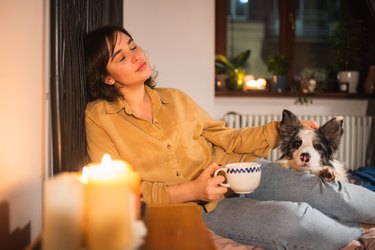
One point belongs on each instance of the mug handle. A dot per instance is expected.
(225, 173)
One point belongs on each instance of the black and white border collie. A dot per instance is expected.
(312, 151)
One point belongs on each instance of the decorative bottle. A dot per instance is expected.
(369, 86)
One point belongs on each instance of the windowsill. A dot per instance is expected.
(266, 93)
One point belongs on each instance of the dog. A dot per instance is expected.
(312, 151)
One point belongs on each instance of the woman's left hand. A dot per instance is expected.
(310, 124)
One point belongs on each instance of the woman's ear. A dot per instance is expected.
(109, 80)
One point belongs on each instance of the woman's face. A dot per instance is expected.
(128, 65)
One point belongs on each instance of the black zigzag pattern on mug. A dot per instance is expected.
(243, 170)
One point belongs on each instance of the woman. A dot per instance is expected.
(176, 146)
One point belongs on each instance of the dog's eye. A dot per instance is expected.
(297, 144)
(318, 147)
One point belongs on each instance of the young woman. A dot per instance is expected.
(176, 146)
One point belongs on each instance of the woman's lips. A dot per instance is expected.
(141, 67)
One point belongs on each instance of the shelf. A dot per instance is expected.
(261, 93)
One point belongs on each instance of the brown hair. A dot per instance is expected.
(97, 55)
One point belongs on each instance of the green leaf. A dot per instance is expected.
(240, 60)
(222, 63)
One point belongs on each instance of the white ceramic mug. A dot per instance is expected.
(350, 77)
(241, 177)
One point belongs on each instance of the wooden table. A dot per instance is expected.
(176, 227)
(169, 227)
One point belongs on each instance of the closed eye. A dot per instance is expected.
(122, 58)
(132, 45)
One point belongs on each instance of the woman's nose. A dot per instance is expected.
(136, 56)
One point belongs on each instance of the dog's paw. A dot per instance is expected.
(327, 174)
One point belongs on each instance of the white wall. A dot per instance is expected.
(22, 129)
(179, 38)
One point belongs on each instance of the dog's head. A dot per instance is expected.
(308, 149)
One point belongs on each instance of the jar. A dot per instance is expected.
(369, 86)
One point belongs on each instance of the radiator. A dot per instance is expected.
(354, 142)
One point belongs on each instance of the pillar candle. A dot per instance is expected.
(63, 213)
(111, 196)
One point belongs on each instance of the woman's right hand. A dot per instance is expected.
(207, 185)
(205, 188)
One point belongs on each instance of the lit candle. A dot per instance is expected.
(252, 84)
(112, 204)
(63, 213)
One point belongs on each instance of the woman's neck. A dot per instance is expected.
(139, 101)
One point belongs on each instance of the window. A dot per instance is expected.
(301, 30)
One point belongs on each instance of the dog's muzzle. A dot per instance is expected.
(305, 157)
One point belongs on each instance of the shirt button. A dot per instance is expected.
(169, 146)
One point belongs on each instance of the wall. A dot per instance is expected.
(179, 38)
(22, 112)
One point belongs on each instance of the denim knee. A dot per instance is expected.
(308, 228)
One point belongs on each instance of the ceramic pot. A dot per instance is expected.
(350, 77)
(279, 83)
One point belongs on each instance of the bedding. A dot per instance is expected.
(366, 242)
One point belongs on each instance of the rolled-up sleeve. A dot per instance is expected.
(155, 192)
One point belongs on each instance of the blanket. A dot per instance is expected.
(365, 176)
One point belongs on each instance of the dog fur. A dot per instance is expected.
(312, 151)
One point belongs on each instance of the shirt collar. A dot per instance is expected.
(119, 104)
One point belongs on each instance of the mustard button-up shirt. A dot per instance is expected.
(179, 143)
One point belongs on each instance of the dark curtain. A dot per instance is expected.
(70, 20)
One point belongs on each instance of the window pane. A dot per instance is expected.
(314, 22)
(254, 25)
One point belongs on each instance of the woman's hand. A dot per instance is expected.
(205, 188)
(310, 124)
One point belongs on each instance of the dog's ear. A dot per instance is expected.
(289, 124)
(332, 131)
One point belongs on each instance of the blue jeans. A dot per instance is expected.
(294, 210)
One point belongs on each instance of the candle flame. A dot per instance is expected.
(106, 170)
(85, 175)
(106, 160)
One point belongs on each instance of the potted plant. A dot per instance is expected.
(278, 65)
(234, 68)
(350, 50)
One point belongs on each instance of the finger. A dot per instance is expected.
(309, 124)
(221, 190)
(210, 169)
(315, 125)
(216, 180)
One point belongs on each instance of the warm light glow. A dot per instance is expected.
(106, 160)
(110, 171)
(252, 84)
(84, 178)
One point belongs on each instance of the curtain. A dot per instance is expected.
(70, 20)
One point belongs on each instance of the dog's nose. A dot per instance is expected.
(305, 157)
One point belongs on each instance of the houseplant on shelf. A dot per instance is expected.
(234, 68)
(349, 52)
(278, 65)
